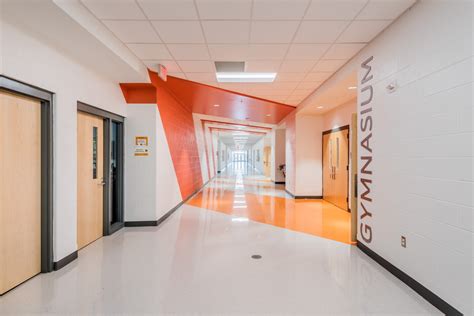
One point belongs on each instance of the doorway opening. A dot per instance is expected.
(99, 173)
(26, 187)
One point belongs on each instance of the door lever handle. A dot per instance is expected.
(102, 182)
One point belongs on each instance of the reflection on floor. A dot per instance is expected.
(242, 192)
(198, 262)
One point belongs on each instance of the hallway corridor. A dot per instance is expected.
(198, 261)
(241, 191)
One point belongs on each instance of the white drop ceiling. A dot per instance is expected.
(304, 41)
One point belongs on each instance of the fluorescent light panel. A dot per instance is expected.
(245, 76)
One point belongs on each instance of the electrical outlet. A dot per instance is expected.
(404, 242)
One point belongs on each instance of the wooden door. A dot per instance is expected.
(20, 189)
(90, 178)
(336, 167)
(266, 160)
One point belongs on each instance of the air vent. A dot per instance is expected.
(230, 66)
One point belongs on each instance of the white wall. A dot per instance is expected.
(258, 147)
(422, 147)
(308, 173)
(279, 154)
(201, 145)
(27, 59)
(151, 186)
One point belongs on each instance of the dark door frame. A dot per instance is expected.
(108, 118)
(47, 102)
(341, 128)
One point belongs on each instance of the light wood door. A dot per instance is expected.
(20, 189)
(266, 160)
(90, 181)
(336, 168)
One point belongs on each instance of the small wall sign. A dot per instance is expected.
(141, 146)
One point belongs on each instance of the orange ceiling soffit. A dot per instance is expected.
(236, 124)
(139, 92)
(235, 130)
(201, 98)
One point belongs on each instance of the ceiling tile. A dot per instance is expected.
(179, 31)
(289, 76)
(362, 31)
(170, 65)
(301, 93)
(202, 76)
(267, 51)
(133, 31)
(196, 66)
(307, 51)
(334, 9)
(228, 52)
(309, 85)
(189, 51)
(262, 65)
(150, 51)
(177, 75)
(284, 85)
(279, 9)
(320, 31)
(169, 9)
(317, 76)
(384, 9)
(119, 10)
(224, 9)
(329, 65)
(297, 65)
(273, 31)
(343, 51)
(226, 31)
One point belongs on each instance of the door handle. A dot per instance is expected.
(102, 182)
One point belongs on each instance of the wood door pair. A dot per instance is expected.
(90, 178)
(336, 167)
(266, 160)
(20, 189)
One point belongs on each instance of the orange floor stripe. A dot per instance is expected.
(315, 217)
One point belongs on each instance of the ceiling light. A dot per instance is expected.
(268, 115)
(320, 107)
(245, 76)
(352, 88)
(216, 105)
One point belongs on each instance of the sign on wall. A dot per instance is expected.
(141, 146)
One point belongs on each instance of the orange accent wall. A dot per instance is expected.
(138, 92)
(178, 124)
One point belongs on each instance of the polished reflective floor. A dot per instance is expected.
(199, 261)
(244, 193)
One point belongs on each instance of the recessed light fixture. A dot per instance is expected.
(216, 105)
(320, 107)
(352, 88)
(245, 76)
(268, 115)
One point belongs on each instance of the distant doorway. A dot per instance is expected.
(336, 166)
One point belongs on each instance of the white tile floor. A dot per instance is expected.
(198, 262)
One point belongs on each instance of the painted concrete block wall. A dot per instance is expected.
(28, 58)
(290, 151)
(308, 155)
(140, 171)
(178, 123)
(421, 146)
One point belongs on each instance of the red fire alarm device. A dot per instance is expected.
(162, 72)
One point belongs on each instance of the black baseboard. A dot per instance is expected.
(291, 194)
(431, 297)
(280, 182)
(312, 197)
(168, 214)
(141, 223)
(65, 261)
